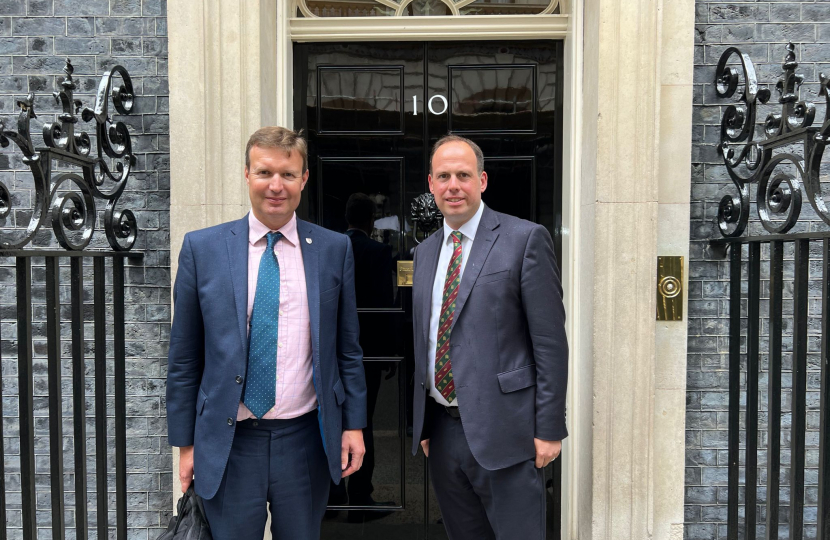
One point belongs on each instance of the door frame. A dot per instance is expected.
(629, 85)
(567, 28)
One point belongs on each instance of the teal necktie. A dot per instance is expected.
(260, 389)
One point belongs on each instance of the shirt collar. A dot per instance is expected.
(257, 230)
(468, 229)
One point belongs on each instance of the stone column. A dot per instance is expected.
(674, 196)
(223, 87)
(635, 205)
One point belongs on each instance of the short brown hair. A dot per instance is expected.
(457, 138)
(285, 139)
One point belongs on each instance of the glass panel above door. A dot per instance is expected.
(419, 8)
(508, 7)
(345, 8)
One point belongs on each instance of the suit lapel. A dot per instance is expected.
(425, 274)
(237, 243)
(312, 282)
(483, 243)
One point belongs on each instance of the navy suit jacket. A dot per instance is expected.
(207, 362)
(508, 347)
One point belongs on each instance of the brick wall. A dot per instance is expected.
(761, 29)
(36, 37)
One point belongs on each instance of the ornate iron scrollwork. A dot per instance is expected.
(425, 215)
(781, 177)
(73, 214)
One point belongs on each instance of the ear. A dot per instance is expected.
(429, 180)
(305, 179)
(483, 181)
(247, 180)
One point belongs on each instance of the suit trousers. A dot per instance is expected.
(478, 504)
(280, 463)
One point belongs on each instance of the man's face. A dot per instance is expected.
(455, 182)
(275, 181)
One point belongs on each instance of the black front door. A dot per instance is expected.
(372, 112)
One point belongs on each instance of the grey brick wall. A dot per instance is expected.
(761, 29)
(36, 37)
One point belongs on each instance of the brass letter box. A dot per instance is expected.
(405, 269)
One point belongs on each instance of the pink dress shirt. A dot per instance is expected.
(295, 394)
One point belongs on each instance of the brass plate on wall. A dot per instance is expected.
(405, 271)
(669, 288)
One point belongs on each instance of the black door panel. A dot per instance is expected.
(372, 112)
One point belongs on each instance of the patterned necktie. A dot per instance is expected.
(260, 389)
(443, 367)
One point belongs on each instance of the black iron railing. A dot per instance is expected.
(785, 164)
(747, 274)
(25, 338)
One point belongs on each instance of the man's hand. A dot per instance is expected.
(546, 451)
(186, 466)
(352, 445)
(425, 446)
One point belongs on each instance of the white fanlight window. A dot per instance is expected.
(412, 8)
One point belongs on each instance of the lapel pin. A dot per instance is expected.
(308, 240)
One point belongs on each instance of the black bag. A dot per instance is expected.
(190, 523)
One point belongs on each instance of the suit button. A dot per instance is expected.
(230, 421)
(238, 379)
(422, 385)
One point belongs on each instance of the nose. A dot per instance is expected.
(453, 184)
(276, 182)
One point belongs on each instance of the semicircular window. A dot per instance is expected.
(420, 8)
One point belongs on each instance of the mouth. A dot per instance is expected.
(275, 200)
(454, 201)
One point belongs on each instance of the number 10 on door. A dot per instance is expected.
(430, 106)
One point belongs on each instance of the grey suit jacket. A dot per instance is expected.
(508, 347)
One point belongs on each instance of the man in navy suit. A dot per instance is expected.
(266, 396)
(491, 356)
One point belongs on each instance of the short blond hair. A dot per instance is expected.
(285, 139)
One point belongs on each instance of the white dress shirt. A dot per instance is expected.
(468, 231)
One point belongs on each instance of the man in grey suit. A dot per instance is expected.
(491, 354)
